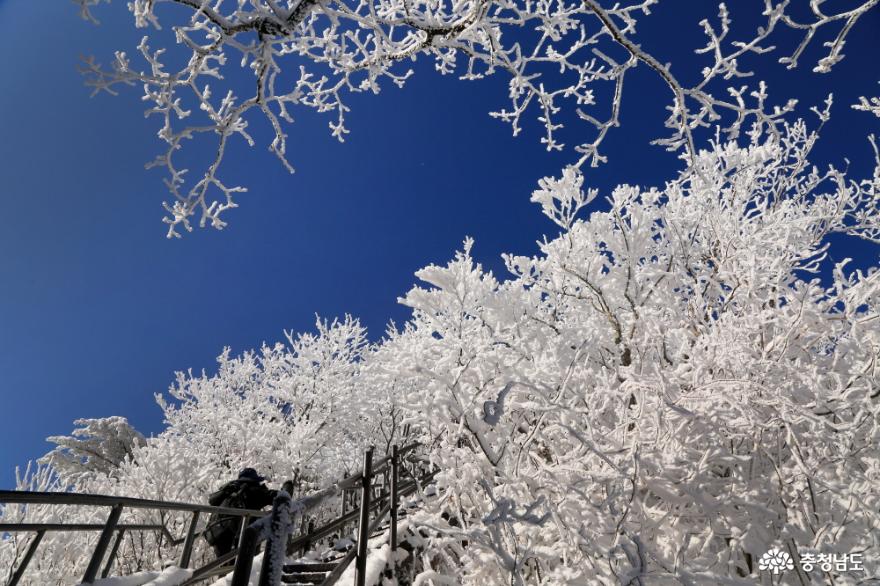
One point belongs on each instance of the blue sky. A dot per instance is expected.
(98, 309)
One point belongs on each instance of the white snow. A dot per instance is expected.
(170, 576)
(378, 556)
(132, 580)
(377, 559)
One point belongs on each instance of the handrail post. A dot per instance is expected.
(244, 561)
(103, 543)
(307, 529)
(190, 540)
(279, 529)
(243, 528)
(394, 480)
(31, 550)
(360, 569)
(344, 497)
(113, 551)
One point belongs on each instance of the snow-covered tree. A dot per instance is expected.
(668, 390)
(13, 546)
(289, 410)
(294, 411)
(683, 378)
(96, 448)
(558, 56)
(674, 385)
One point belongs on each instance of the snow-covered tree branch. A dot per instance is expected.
(869, 105)
(559, 56)
(97, 447)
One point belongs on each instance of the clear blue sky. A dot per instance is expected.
(98, 309)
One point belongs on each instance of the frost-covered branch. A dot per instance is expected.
(303, 53)
(97, 447)
(871, 105)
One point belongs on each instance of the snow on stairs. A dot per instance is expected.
(307, 573)
(310, 573)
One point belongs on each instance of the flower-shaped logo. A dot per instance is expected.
(776, 560)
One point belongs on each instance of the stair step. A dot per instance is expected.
(303, 578)
(304, 567)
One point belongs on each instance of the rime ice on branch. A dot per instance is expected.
(673, 386)
(309, 53)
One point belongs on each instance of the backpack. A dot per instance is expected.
(230, 496)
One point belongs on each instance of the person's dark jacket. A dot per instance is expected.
(243, 493)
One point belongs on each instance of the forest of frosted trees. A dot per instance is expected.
(681, 378)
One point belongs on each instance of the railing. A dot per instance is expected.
(280, 522)
(273, 527)
(109, 527)
(391, 506)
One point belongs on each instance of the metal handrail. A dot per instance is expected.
(27, 527)
(405, 490)
(118, 503)
(214, 568)
(354, 480)
(281, 522)
(108, 528)
(327, 529)
(101, 500)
